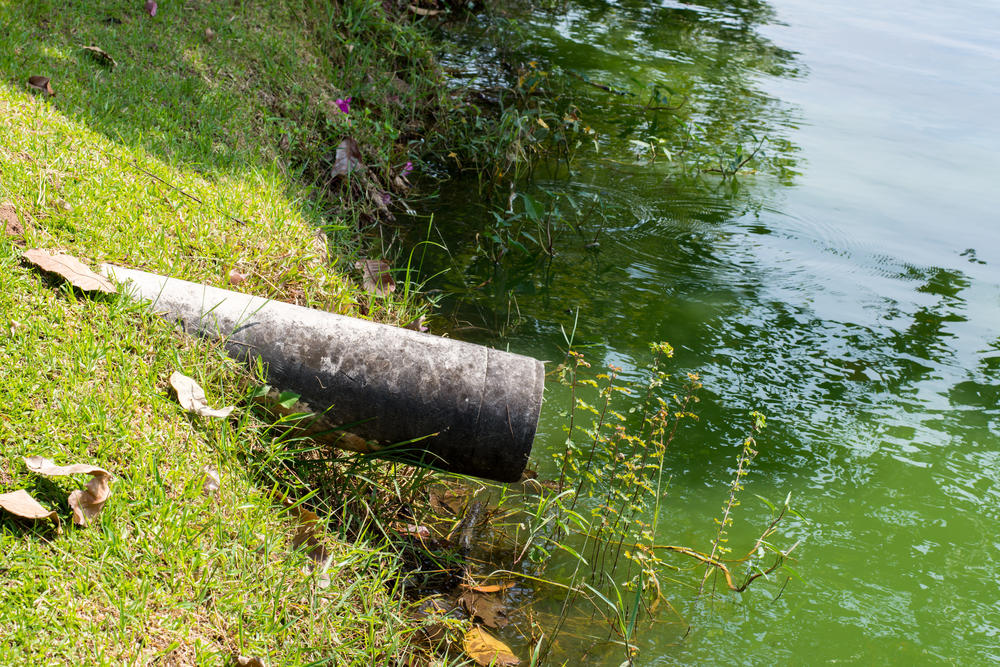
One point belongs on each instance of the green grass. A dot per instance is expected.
(240, 118)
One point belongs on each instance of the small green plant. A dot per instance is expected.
(602, 516)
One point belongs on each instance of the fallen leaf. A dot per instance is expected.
(420, 11)
(245, 661)
(321, 246)
(151, 7)
(400, 183)
(211, 483)
(192, 397)
(11, 225)
(417, 324)
(42, 84)
(235, 277)
(490, 611)
(375, 276)
(70, 268)
(86, 504)
(447, 503)
(486, 649)
(348, 158)
(492, 588)
(421, 532)
(209, 34)
(20, 503)
(100, 55)
(307, 536)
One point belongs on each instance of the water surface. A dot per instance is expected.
(852, 295)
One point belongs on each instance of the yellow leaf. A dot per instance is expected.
(485, 649)
(542, 123)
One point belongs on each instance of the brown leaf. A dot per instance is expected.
(192, 397)
(235, 277)
(375, 276)
(490, 611)
(11, 225)
(321, 246)
(70, 268)
(486, 649)
(348, 158)
(209, 34)
(447, 503)
(42, 84)
(414, 530)
(20, 503)
(420, 11)
(246, 661)
(86, 504)
(100, 55)
(307, 536)
(417, 325)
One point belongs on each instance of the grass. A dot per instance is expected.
(204, 150)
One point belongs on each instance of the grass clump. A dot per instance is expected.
(204, 154)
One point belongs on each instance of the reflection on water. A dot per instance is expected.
(841, 302)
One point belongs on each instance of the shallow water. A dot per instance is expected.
(854, 299)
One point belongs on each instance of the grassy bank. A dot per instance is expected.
(207, 150)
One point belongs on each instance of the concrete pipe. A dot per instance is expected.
(466, 408)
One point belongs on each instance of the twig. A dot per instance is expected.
(135, 165)
(709, 560)
(601, 86)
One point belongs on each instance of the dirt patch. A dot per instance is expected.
(11, 224)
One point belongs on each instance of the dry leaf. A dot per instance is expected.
(211, 482)
(375, 276)
(321, 246)
(209, 34)
(486, 649)
(414, 530)
(447, 503)
(192, 397)
(20, 503)
(307, 535)
(493, 588)
(420, 11)
(70, 268)
(11, 225)
(42, 84)
(490, 611)
(151, 7)
(100, 55)
(244, 661)
(417, 325)
(85, 504)
(348, 158)
(235, 277)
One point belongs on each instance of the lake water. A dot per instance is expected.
(854, 297)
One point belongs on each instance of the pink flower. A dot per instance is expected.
(343, 105)
(407, 168)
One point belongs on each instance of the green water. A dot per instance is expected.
(853, 297)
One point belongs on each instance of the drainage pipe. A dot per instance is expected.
(462, 407)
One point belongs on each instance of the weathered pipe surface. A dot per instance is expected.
(476, 408)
